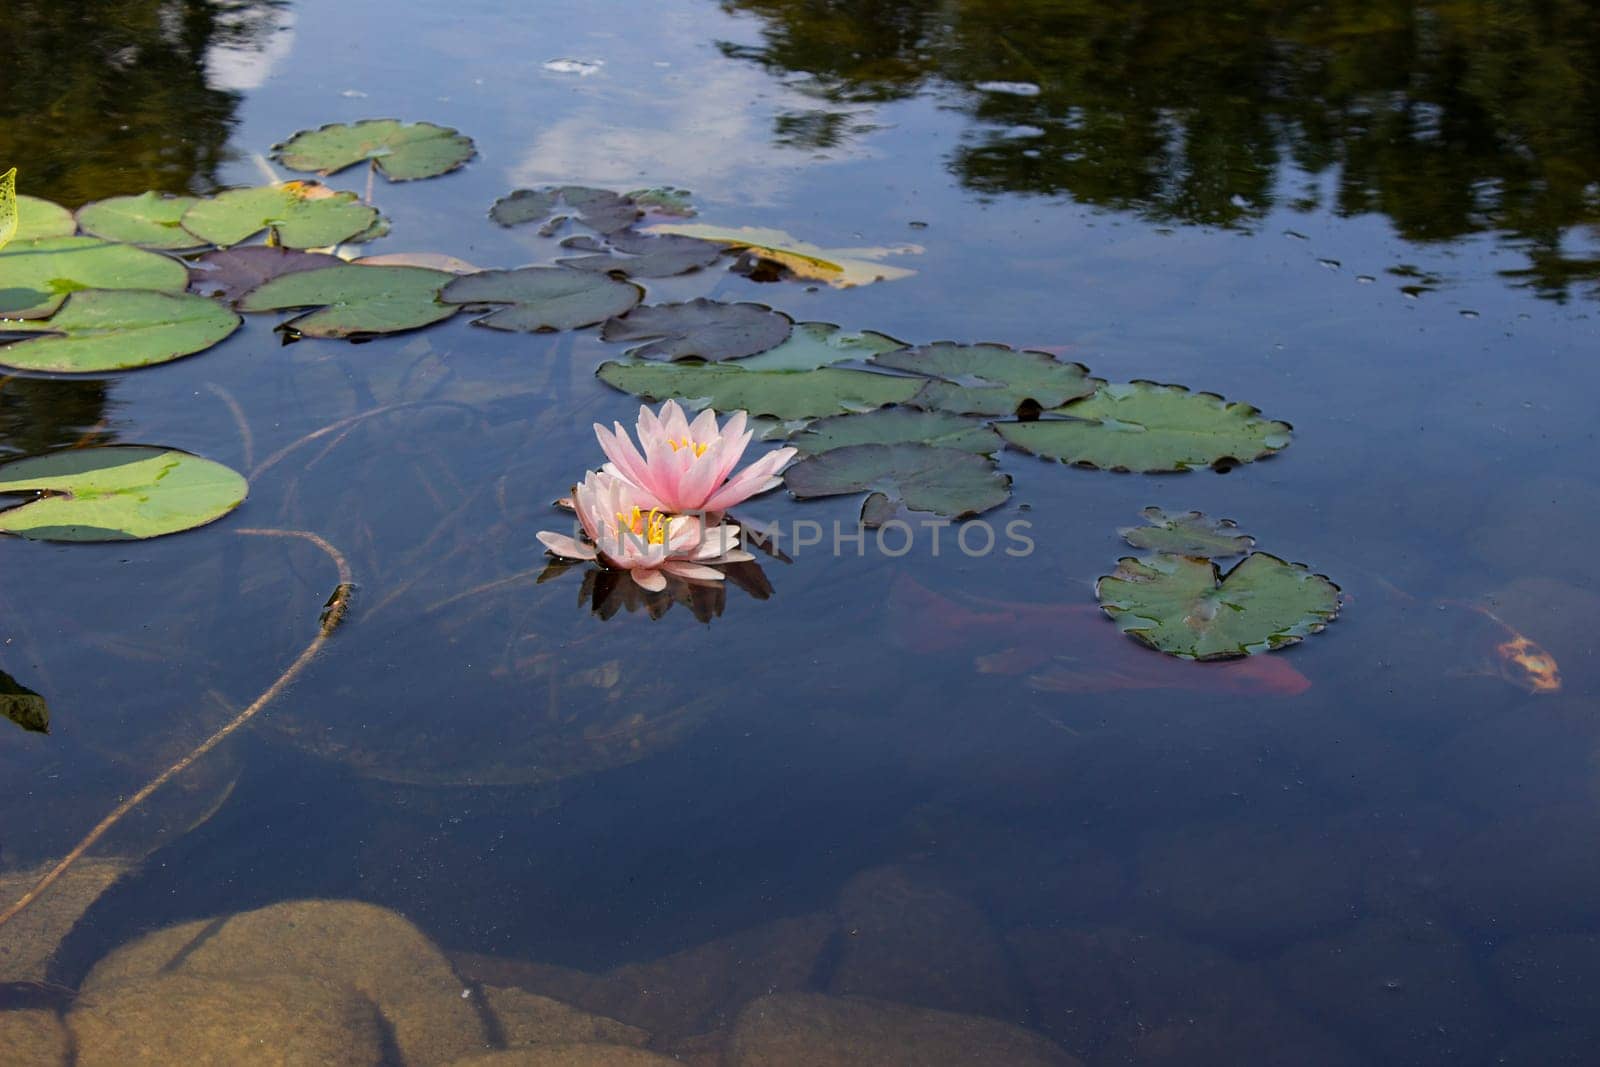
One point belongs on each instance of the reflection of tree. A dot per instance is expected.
(99, 97)
(40, 414)
(1447, 118)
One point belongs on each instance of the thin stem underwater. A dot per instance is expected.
(331, 617)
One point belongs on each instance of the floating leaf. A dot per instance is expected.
(150, 220)
(23, 706)
(543, 298)
(896, 425)
(839, 267)
(38, 219)
(776, 393)
(117, 493)
(1143, 426)
(818, 344)
(665, 200)
(599, 209)
(101, 330)
(988, 379)
(355, 300)
(302, 214)
(402, 152)
(643, 255)
(1185, 607)
(700, 329)
(36, 276)
(229, 273)
(430, 260)
(945, 481)
(8, 206)
(1188, 534)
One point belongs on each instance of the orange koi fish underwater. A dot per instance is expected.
(1509, 654)
(1067, 648)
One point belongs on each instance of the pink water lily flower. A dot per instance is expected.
(686, 467)
(626, 531)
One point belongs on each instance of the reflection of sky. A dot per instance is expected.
(255, 42)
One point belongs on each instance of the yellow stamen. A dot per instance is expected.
(651, 525)
(684, 442)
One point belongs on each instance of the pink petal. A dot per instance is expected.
(753, 480)
(704, 427)
(650, 580)
(564, 546)
(673, 421)
(692, 571)
(619, 449)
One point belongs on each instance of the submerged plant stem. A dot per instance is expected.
(331, 617)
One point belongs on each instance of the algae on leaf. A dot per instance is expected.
(947, 481)
(1188, 534)
(402, 152)
(100, 330)
(700, 329)
(299, 214)
(355, 300)
(543, 298)
(1187, 608)
(771, 393)
(116, 493)
(36, 276)
(1147, 427)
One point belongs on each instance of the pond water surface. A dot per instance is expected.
(1379, 222)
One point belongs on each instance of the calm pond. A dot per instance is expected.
(895, 796)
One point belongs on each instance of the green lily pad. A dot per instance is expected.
(1186, 608)
(302, 214)
(774, 393)
(1188, 534)
(355, 300)
(149, 220)
(897, 425)
(229, 273)
(700, 329)
(1143, 426)
(642, 255)
(945, 481)
(8, 206)
(819, 344)
(117, 493)
(402, 152)
(543, 298)
(23, 706)
(101, 330)
(666, 201)
(988, 379)
(38, 219)
(599, 209)
(36, 276)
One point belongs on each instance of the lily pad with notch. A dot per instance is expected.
(300, 214)
(776, 394)
(38, 219)
(149, 220)
(23, 706)
(1185, 607)
(898, 425)
(990, 379)
(355, 300)
(36, 276)
(543, 298)
(701, 329)
(230, 273)
(101, 330)
(641, 255)
(1148, 427)
(945, 481)
(821, 344)
(117, 493)
(1189, 533)
(601, 210)
(401, 151)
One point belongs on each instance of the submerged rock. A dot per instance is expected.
(529, 1019)
(812, 1030)
(578, 1055)
(34, 1039)
(368, 949)
(912, 942)
(195, 1021)
(30, 940)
